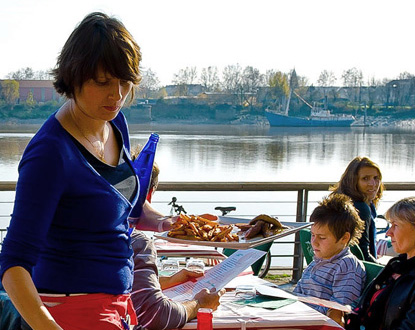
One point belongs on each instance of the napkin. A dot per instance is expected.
(265, 302)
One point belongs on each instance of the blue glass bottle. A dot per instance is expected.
(143, 166)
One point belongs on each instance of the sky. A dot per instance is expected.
(308, 35)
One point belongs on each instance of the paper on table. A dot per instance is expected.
(274, 292)
(216, 277)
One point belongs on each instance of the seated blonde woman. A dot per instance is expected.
(389, 301)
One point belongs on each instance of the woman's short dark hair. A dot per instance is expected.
(99, 41)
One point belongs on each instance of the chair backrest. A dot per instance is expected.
(355, 249)
(305, 238)
(372, 270)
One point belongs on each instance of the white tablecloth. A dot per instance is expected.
(294, 316)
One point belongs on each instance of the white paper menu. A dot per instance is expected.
(216, 277)
(276, 292)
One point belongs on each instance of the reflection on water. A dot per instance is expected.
(222, 153)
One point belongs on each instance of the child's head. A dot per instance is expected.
(336, 224)
(154, 179)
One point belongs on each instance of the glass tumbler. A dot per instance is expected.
(195, 264)
(245, 291)
(169, 266)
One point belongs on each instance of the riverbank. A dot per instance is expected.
(32, 125)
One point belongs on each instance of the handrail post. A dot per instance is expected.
(302, 201)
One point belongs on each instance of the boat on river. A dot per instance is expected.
(318, 117)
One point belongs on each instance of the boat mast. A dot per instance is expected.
(288, 102)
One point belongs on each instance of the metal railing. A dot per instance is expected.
(302, 202)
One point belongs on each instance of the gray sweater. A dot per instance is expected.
(154, 310)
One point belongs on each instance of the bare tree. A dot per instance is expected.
(353, 79)
(209, 79)
(43, 75)
(252, 79)
(326, 78)
(29, 74)
(231, 77)
(22, 74)
(232, 80)
(184, 78)
(149, 83)
(405, 75)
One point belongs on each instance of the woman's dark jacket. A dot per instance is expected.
(395, 309)
(367, 242)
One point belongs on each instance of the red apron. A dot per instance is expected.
(91, 311)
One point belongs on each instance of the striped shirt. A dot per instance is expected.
(154, 310)
(340, 279)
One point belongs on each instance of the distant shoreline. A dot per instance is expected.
(32, 125)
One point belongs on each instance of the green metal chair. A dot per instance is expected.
(305, 239)
(372, 270)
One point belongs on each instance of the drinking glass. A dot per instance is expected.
(245, 291)
(170, 266)
(195, 264)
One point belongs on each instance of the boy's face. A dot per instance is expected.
(324, 243)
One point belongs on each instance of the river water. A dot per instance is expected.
(244, 153)
(228, 153)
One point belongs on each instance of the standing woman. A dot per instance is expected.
(66, 261)
(362, 182)
(389, 301)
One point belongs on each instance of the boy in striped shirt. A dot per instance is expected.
(335, 273)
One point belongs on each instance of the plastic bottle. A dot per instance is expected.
(143, 166)
(204, 319)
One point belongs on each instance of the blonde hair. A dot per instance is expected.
(403, 209)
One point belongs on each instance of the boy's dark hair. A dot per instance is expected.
(338, 213)
(99, 41)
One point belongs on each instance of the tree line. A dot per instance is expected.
(233, 77)
(249, 88)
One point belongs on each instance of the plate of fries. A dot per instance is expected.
(228, 232)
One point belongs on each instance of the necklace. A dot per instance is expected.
(98, 145)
